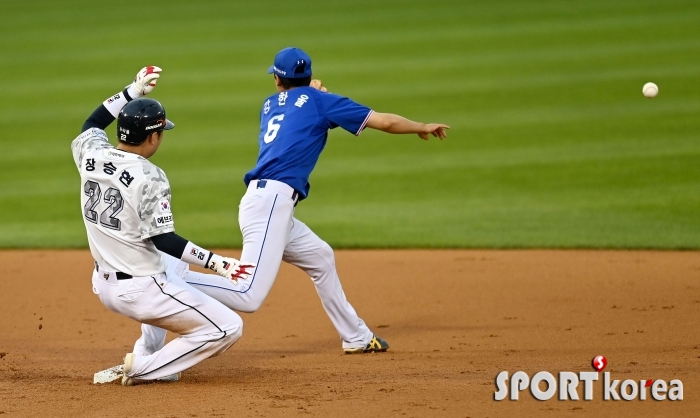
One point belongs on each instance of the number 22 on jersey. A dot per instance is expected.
(273, 128)
(112, 196)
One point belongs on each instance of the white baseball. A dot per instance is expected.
(650, 90)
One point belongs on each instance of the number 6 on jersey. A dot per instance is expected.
(273, 128)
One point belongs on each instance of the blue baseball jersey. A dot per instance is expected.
(294, 128)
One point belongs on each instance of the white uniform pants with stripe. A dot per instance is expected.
(165, 302)
(272, 234)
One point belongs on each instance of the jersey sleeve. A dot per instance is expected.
(343, 112)
(154, 208)
(87, 141)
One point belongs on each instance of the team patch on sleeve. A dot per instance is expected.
(154, 206)
(163, 220)
(164, 206)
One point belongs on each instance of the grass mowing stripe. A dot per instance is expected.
(552, 142)
(628, 148)
(442, 64)
(336, 38)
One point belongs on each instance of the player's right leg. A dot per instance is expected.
(206, 327)
(153, 338)
(265, 220)
(313, 255)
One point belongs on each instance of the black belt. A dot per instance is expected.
(119, 274)
(295, 196)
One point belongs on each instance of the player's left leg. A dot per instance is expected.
(217, 287)
(313, 255)
(265, 220)
(206, 328)
(153, 338)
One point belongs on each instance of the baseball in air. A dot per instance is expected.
(650, 90)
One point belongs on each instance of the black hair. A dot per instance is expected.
(288, 83)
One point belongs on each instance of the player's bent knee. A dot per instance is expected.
(234, 325)
(250, 306)
(234, 334)
(223, 343)
(230, 333)
(248, 302)
(325, 251)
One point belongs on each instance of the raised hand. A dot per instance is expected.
(145, 81)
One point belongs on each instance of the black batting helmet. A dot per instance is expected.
(140, 118)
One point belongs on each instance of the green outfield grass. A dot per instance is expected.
(552, 143)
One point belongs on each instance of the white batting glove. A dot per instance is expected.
(230, 268)
(144, 82)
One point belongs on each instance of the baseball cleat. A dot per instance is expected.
(375, 345)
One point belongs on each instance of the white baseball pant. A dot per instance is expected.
(165, 302)
(272, 234)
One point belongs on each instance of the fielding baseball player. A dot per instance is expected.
(128, 217)
(294, 126)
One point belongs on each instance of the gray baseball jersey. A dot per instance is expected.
(125, 200)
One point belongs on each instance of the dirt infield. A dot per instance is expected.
(455, 319)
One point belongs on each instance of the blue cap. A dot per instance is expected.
(291, 63)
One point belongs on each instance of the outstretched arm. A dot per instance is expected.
(178, 247)
(395, 124)
(144, 83)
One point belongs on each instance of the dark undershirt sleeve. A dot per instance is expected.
(170, 243)
(101, 118)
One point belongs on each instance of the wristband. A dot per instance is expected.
(115, 103)
(213, 261)
(195, 255)
(131, 92)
